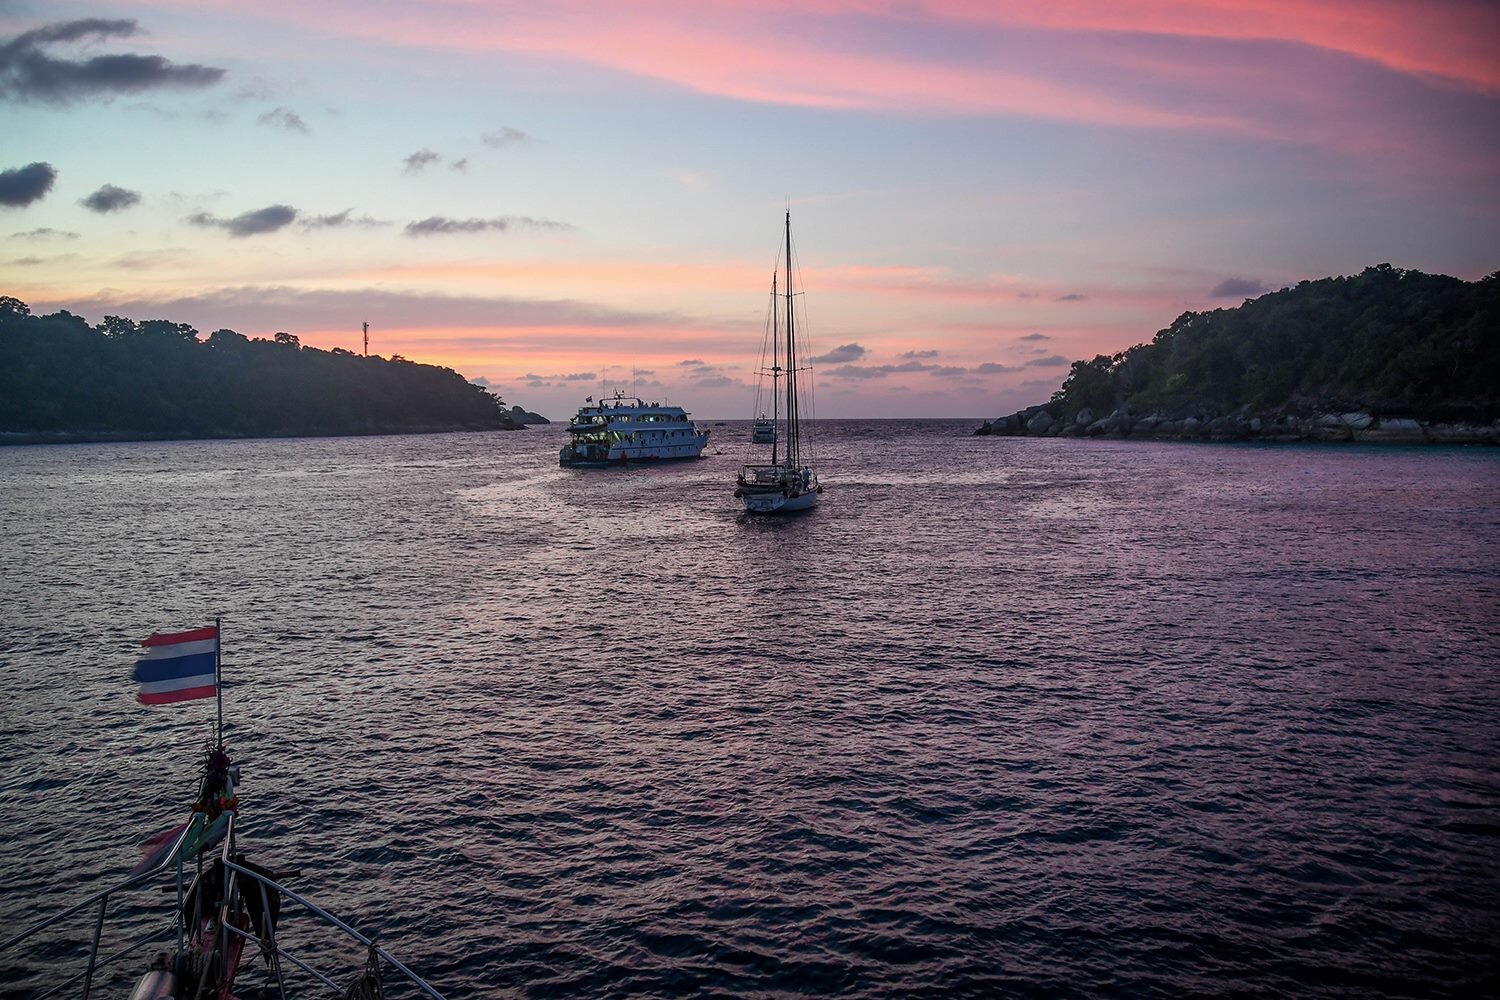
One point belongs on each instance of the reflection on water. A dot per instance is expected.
(1001, 715)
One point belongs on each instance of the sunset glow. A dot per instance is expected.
(556, 198)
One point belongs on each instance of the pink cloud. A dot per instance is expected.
(1458, 42)
(755, 52)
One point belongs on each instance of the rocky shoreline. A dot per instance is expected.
(1354, 425)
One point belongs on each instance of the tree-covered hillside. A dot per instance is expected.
(60, 376)
(1386, 341)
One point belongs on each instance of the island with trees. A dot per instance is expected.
(62, 380)
(1385, 355)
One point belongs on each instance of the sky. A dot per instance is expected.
(567, 198)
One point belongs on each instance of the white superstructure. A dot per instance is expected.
(626, 429)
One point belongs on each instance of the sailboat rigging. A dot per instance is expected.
(789, 482)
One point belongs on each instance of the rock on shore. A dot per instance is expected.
(1356, 425)
(525, 418)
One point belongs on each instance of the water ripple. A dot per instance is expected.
(1001, 717)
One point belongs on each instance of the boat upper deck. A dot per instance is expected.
(628, 410)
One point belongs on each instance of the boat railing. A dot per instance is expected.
(763, 473)
(102, 898)
(239, 871)
(234, 872)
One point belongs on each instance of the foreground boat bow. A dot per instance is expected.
(222, 903)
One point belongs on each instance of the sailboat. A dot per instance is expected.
(788, 483)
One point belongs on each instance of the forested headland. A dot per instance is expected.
(64, 380)
(1388, 354)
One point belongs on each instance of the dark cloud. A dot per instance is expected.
(1035, 336)
(285, 118)
(1052, 360)
(714, 382)
(504, 137)
(914, 355)
(570, 377)
(1071, 297)
(987, 368)
(262, 220)
(418, 161)
(690, 361)
(1238, 288)
(840, 355)
(111, 199)
(27, 73)
(341, 220)
(460, 165)
(438, 225)
(45, 233)
(24, 185)
(879, 371)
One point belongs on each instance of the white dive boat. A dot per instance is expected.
(788, 482)
(626, 429)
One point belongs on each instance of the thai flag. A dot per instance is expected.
(178, 666)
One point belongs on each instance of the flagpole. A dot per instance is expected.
(219, 677)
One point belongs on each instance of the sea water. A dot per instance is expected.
(1000, 716)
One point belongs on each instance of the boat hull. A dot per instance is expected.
(775, 503)
(772, 489)
(572, 458)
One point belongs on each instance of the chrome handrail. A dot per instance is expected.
(291, 958)
(174, 858)
(415, 979)
(104, 894)
(143, 939)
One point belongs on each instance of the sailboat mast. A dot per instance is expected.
(793, 446)
(775, 368)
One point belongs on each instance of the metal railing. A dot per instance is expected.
(229, 908)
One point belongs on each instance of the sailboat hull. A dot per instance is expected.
(775, 503)
(773, 489)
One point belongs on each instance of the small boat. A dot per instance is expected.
(627, 429)
(788, 482)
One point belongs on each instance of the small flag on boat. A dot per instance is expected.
(156, 847)
(589, 399)
(178, 666)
